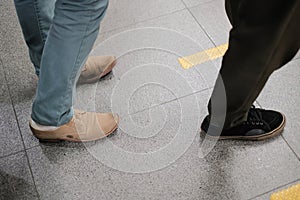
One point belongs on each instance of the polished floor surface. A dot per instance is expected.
(157, 153)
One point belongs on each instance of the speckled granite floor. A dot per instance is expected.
(147, 37)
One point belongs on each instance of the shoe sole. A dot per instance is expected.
(97, 78)
(75, 140)
(271, 134)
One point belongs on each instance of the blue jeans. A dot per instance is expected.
(60, 35)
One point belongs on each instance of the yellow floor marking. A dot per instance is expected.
(203, 56)
(292, 193)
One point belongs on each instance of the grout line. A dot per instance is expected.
(258, 104)
(201, 27)
(11, 104)
(281, 135)
(216, 46)
(149, 19)
(181, 97)
(274, 189)
(199, 23)
(18, 124)
(32, 147)
(202, 3)
(11, 154)
(290, 147)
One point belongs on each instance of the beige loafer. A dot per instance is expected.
(84, 127)
(95, 68)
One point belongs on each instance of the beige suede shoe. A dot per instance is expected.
(95, 68)
(84, 127)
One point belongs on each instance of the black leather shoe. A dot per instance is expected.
(261, 124)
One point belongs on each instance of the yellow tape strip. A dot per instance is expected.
(292, 193)
(203, 56)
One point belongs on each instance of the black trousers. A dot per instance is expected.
(265, 35)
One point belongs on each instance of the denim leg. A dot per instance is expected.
(35, 17)
(74, 29)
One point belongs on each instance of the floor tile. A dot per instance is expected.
(147, 78)
(155, 152)
(209, 71)
(242, 170)
(168, 38)
(212, 17)
(181, 22)
(150, 129)
(21, 78)
(245, 169)
(60, 170)
(10, 138)
(297, 55)
(124, 13)
(232, 169)
(4, 7)
(184, 36)
(281, 93)
(6, 2)
(268, 195)
(193, 3)
(15, 178)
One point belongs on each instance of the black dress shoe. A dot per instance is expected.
(261, 124)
